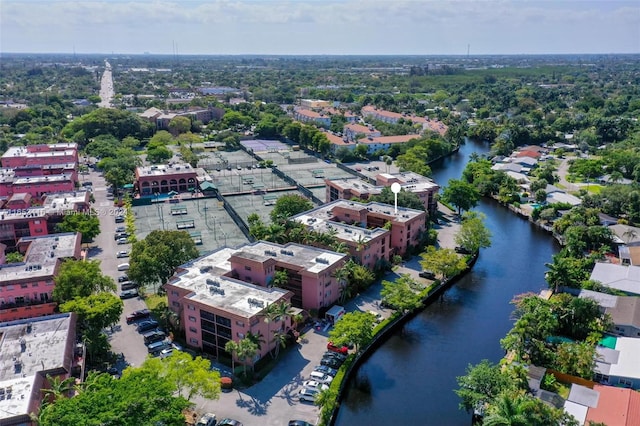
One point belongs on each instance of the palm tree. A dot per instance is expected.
(325, 396)
(506, 411)
(342, 276)
(232, 347)
(280, 340)
(257, 339)
(629, 235)
(58, 388)
(246, 351)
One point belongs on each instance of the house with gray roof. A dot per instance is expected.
(619, 366)
(626, 316)
(619, 277)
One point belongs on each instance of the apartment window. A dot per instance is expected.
(174, 293)
(34, 284)
(626, 383)
(192, 319)
(247, 268)
(9, 287)
(24, 285)
(175, 304)
(193, 341)
(37, 222)
(347, 215)
(191, 307)
(240, 335)
(193, 329)
(240, 324)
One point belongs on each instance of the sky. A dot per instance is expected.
(320, 27)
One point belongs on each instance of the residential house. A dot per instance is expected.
(32, 350)
(385, 142)
(314, 103)
(353, 130)
(616, 407)
(27, 286)
(309, 116)
(619, 366)
(619, 277)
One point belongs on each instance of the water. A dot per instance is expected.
(410, 379)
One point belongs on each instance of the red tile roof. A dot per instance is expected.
(616, 407)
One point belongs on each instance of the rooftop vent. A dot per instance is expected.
(216, 290)
(270, 253)
(205, 269)
(322, 260)
(255, 302)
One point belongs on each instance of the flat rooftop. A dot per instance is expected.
(54, 203)
(301, 256)
(164, 170)
(34, 345)
(41, 257)
(325, 212)
(235, 296)
(42, 179)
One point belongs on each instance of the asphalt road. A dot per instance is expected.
(124, 338)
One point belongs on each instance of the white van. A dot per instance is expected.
(320, 377)
(123, 267)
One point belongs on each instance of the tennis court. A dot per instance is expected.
(263, 145)
(262, 204)
(240, 181)
(205, 219)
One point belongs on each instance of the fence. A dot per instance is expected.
(236, 217)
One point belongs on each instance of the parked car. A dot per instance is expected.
(153, 336)
(339, 349)
(462, 250)
(119, 235)
(335, 355)
(229, 422)
(128, 294)
(207, 419)
(312, 384)
(128, 285)
(119, 219)
(321, 378)
(326, 370)
(138, 315)
(428, 275)
(122, 253)
(147, 325)
(307, 395)
(123, 278)
(299, 423)
(121, 229)
(122, 241)
(331, 362)
(156, 347)
(166, 353)
(123, 267)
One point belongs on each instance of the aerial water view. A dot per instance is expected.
(327, 213)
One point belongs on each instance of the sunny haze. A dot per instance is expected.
(320, 27)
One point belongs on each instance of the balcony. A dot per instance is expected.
(15, 305)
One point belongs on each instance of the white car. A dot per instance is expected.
(312, 384)
(321, 377)
(122, 253)
(307, 395)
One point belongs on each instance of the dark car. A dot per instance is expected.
(462, 250)
(427, 274)
(121, 229)
(330, 362)
(123, 278)
(326, 370)
(119, 219)
(334, 355)
(153, 336)
(229, 422)
(138, 315)
(147, 325)
(128, 285)
(129, 294)
(299, 423)
(119, 235)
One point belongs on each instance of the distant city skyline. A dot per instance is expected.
(317, 27)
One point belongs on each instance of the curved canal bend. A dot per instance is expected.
(410, 379)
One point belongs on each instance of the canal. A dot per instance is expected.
(410, 379)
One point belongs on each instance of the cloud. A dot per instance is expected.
(264, 26)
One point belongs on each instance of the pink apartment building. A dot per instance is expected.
(36, 186)
(164, 178)
(309, 116)
(374, 113)
(222, 296)
(30, 351)
(26, 288)
(361, 227)
(40, 155)
(347, 189)
(19, 219)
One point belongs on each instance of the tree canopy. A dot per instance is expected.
(443, 262)
(401, 295)
(141, 397)
(289, 205)
(156, 258)
(473, 234)
(353, 327)
(95, 311)
(87, 224)
(461, 194)
(80, 278)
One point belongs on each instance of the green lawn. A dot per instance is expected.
(153, 300)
